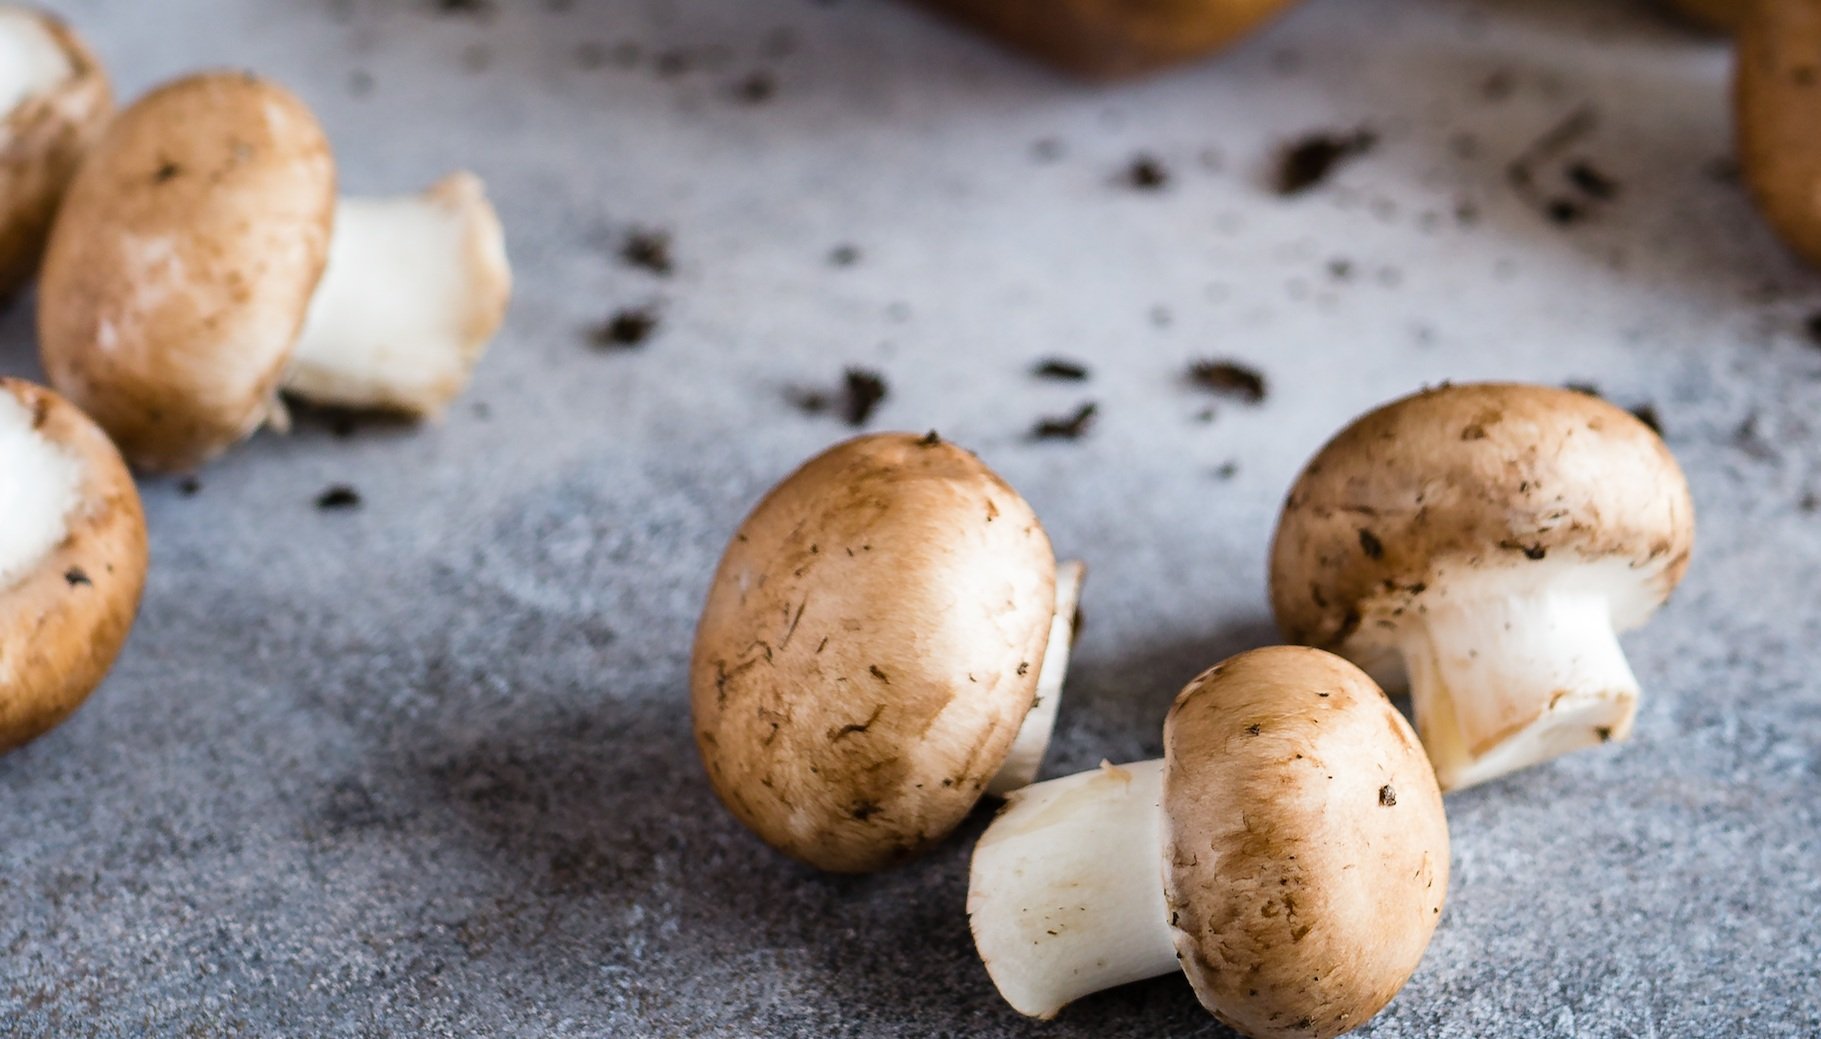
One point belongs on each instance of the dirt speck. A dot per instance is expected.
(627, 329)
(340, 497)
(1061, 369)
(1229, 379)
(1309, 162)
(649, 250)
(1073, 426)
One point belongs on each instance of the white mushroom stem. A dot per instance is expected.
(32, 60)
(40, 484)
(1033, 739)
(1065, 896)
(414, 289)
(1504, 681)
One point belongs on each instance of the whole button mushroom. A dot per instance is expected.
(1289, 854)
(54, 102)
(185, 284)
(1108, 38)
(1491, 539)
(1777, 100)
(883, 643)
(72, 559)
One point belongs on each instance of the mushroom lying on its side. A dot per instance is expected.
(1289, 854)
(1491, 539)
(54, 102)
(72, 559)
(1109, 38)
(884, 642)
(185, 284)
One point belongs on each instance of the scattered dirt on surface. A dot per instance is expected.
(1073, 426)
(1230, 379)
(1308, 163)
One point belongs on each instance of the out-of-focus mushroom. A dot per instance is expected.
(72, 559)
(1491, 540)
(185, 284)
(54, 102)
(1289, 854)
(884, 642)
(1777, 112)
(1108, 38)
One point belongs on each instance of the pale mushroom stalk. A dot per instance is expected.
(32, 60)
(1033, 741)
(40, 483)
(414, 289)
(1508, 678)
(1066, 895)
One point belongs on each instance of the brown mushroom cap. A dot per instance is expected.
(42, 140)
(1307, 846)
(870, 646)
(1778, 115)
(183, 262)
(63, 622)
(1463, 477)
(1108, 38)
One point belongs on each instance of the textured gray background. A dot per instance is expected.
(424, 768)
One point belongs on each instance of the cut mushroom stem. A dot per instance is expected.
(1501, 682)
(32, 59)
(1066, 895)
(1033, 741)
(39, 482)
(414, 288)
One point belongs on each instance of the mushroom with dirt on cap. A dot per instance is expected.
(72, 559)
(1289, 854)
(1490, 540)
(201, 264)
(884, 643)
(54, 102)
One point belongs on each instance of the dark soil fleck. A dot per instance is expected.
(1647, 414)
(844, 255)
(1227, 471)
(1230, 379)
(756, 89)
(189, 487)
(1371, 545)
(1058, 368)
(340, 496)
(862, 391)
(1070, 427)
(75, 576)
(1813, 327)
(649, 250)
(1147, 174)
(1387, 797)
(1308, 163)
(463, 7)
(627, 329)
(1592, 182)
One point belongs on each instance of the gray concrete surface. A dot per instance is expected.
(423, 768)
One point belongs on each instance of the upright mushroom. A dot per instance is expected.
(1108, 38)
(1777, 109)
(1289, 854)
(1491, 539)
(185, 284)
(54, 101)
(72, 559)
(884, 641)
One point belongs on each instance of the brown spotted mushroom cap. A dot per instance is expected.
(1460, 478)
(65, 614)
(42, 140)
(182, 264)
(869, 649)
(1307, 847)
(1777, 97)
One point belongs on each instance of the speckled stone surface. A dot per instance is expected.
(423, 768)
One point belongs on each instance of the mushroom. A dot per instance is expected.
(1289, 854)
(1110, 38)
(54, 102)
(1491, 539)
(185, 283)
(884, 642)
(72, 559)
(1777, 102)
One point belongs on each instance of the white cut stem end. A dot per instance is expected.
(40, 486)
(414, 291)
(33, 61)
(1065, 893)
(1503, 682)
(1026, 756)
